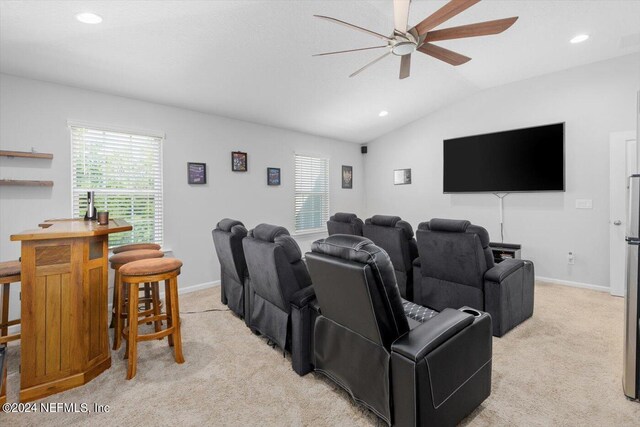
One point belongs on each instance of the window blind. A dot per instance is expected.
(311, 193)
(125, 172)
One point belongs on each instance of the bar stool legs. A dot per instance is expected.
(10, 272)
(151, 271)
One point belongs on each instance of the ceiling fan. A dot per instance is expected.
(404, 40)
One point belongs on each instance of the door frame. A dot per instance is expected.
(616, 138)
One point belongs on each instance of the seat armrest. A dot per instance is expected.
(303, 297)
(503, 270)
(421, 340)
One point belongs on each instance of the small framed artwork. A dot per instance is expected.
(347, 176)
(197, 173)
(273, 176)
(402, 176)
(239, 161)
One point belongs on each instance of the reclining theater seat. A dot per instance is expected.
(344, 223)
(408, 373)
(456, 268)
(396, 237)
(280, 292)
(227, 239)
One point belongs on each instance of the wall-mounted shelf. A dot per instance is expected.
(28, 154)
(25, 182)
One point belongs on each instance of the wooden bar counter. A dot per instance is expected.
(65, 341)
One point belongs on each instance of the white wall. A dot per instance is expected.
(35, 114)
(593, 100)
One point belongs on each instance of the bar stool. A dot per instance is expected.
(9, 273)
(3, 376)
(152, 270)
(147, 287)
(153, 301)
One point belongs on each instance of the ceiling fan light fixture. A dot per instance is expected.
(383, 113)
(89, 18)
(579, 38)
(403, 48)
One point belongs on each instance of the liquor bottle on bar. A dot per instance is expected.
(92, 212)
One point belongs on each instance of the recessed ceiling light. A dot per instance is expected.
(579, 38)
(89, 18)
(383, 113)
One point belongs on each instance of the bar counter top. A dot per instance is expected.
(62, 229)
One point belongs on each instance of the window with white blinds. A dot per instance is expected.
(312, 193)
(125, 172)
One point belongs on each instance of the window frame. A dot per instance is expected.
(323, 227)
(160, 136)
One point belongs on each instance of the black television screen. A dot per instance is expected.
(530, 159)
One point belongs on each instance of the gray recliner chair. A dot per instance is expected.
(234, 277)
(456, 268)
(280, 293)
(344, 223)
(410, 365)
(395, 236)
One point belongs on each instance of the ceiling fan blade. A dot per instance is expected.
(446, 55)
(350, 50)
(401, 15)
(370, 64)
(443, 14)
(405, 66)
(472, 30)
(355, 27)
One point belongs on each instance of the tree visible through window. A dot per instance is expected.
(125, 172)
(311, 193)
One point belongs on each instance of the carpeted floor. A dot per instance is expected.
(562, 367)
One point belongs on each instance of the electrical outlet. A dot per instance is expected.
(584, 204)
(571, 258)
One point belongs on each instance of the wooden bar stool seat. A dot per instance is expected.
(10, 272)
(152, 291)
(135, 246)
(144, 271)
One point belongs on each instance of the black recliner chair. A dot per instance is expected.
(456, 268)
(396, 237)
(280, 293)
(413, 369)
(227, 239)
(344, 223)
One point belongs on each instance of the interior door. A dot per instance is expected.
(623, 161)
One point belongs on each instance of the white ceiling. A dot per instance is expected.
(251, 60)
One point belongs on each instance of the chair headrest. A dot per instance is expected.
(383, 220)
(226, 224)
(449, 225)
(290, 246)
(456, 226)
(343, 217)
(346, 246)
(268, 232)
(233, 226)
(392, 221)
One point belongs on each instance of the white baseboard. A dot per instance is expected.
(198, 287)
(574, 284)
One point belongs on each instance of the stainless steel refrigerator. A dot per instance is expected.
(631, 369)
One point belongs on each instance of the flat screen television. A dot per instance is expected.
(520, 160)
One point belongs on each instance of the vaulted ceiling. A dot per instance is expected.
(252, 60)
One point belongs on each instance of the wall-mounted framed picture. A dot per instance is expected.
(239, 161)
(401, 176)
(197, 173)
(273, 176)
(347, 176)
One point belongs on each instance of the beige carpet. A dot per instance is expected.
(562, 367)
